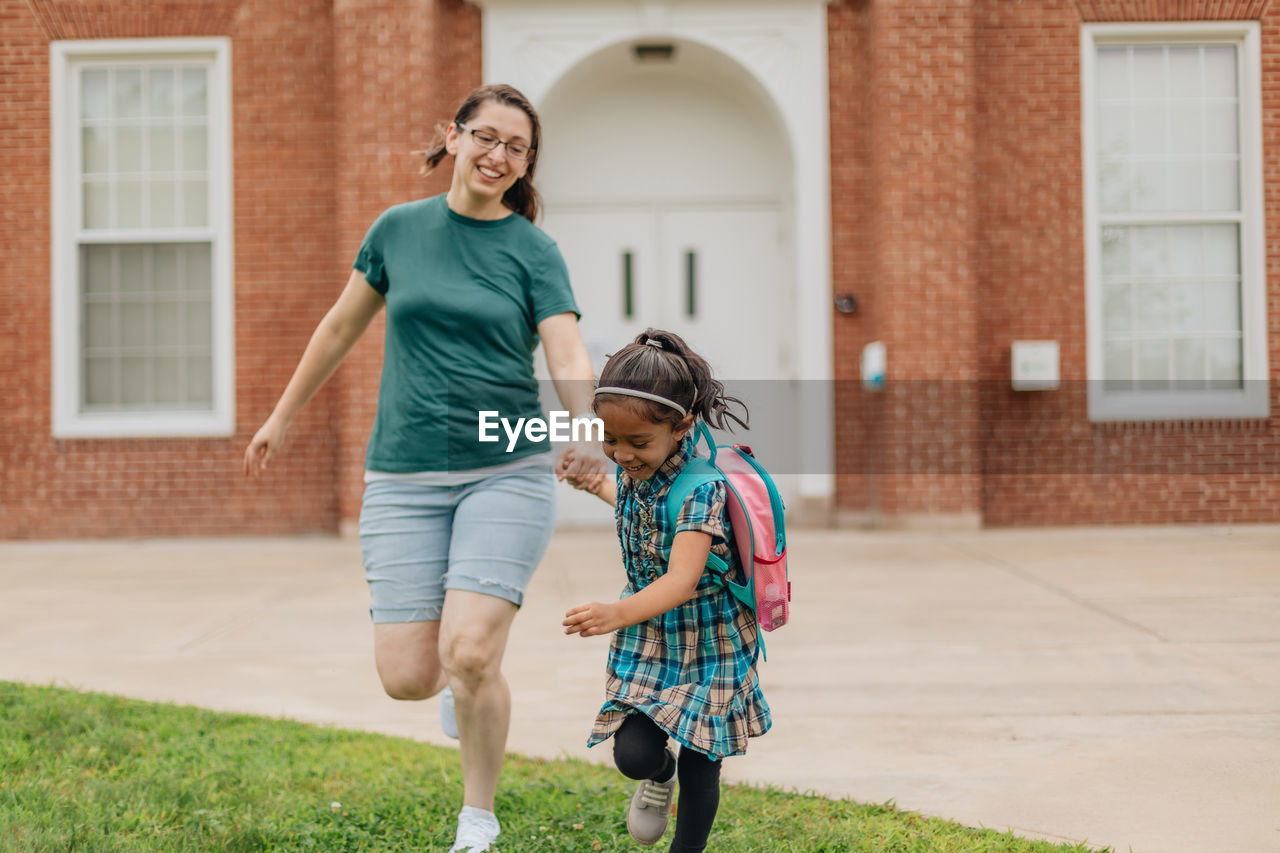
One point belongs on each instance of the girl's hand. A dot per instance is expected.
(591, 620)
(583, 462)
(589, 483)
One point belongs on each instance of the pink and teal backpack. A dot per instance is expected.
(759, 531)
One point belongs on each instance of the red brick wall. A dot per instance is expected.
(1044, 461)
(57, 488)
(903, 192)
(298, 221)
(1040, 460)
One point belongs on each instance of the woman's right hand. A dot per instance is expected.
(263, 448)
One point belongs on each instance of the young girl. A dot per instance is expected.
(682, 663)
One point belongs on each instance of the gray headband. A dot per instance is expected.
(644, 395)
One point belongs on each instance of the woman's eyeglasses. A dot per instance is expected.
(487, 141)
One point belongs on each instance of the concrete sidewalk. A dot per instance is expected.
(1116, 686)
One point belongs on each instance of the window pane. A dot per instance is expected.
(134, 329)
(168, 381)
(166, 321)
(164, 99)
(1149, 189)
(1148, 70)
(1149, 130)
(194, 92)
(133, 268)
(97, 204)
(95, 94)
(1222, 308)
(1225, 364)
(99, 325)
(1185, 79)
(1113, 131)
(1221, 249)
(200, 381)
(1117, 313)
(1186, 185)
(199, 326)
(1113, 73)
(199, 268)
(128, 91)
(1150, 251)
(195, 204)
(95, 150)
(1186, 305)
(1113, 186)
(1189, 360)
(1222, 186)
(1153, 361)
(134, 382)
(1221, 129)
(1119, 360)
(1152, 307)
(97, 269)
(1220, 71)
(164, 203)
(161, 151)
(150, 304)
(1186, 130)
(128, 148)
(99, 382)
(195, 148)
(164, 267)
(1115, 251)
(128, 204)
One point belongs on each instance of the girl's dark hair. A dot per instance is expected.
(661, 363)
(522, 197)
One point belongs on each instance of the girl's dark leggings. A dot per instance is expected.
(640, 751)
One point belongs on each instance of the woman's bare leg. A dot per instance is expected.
(473, 639)
(407, 655)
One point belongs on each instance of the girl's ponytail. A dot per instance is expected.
(661, 363)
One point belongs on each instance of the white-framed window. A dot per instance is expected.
(1173, 195)
(141, 212)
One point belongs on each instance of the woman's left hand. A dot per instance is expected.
(591, 620)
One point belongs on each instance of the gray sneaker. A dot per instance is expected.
(650, 810)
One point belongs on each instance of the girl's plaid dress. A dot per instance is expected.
(692, 670)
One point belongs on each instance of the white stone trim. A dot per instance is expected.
(68, 421)
(782, 44)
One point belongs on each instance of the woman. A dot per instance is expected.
(451, 527)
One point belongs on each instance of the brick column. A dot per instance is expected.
(910, 240)
(400, 67)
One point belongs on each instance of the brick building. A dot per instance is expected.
(187, 183)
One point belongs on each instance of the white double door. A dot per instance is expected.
(717, 275)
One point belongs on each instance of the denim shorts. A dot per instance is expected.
(486, 537)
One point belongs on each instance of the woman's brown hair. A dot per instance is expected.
(522, 197)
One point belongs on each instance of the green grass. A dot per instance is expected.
(90, 772)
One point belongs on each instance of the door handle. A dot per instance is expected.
(628, 306)
(691, 282)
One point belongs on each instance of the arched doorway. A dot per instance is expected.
(667, 187)
(685, 169)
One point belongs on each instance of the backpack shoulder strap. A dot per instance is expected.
(697, 473)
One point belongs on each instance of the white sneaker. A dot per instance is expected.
(448, 717)
(477, 830)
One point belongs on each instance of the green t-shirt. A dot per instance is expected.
(464, 299)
